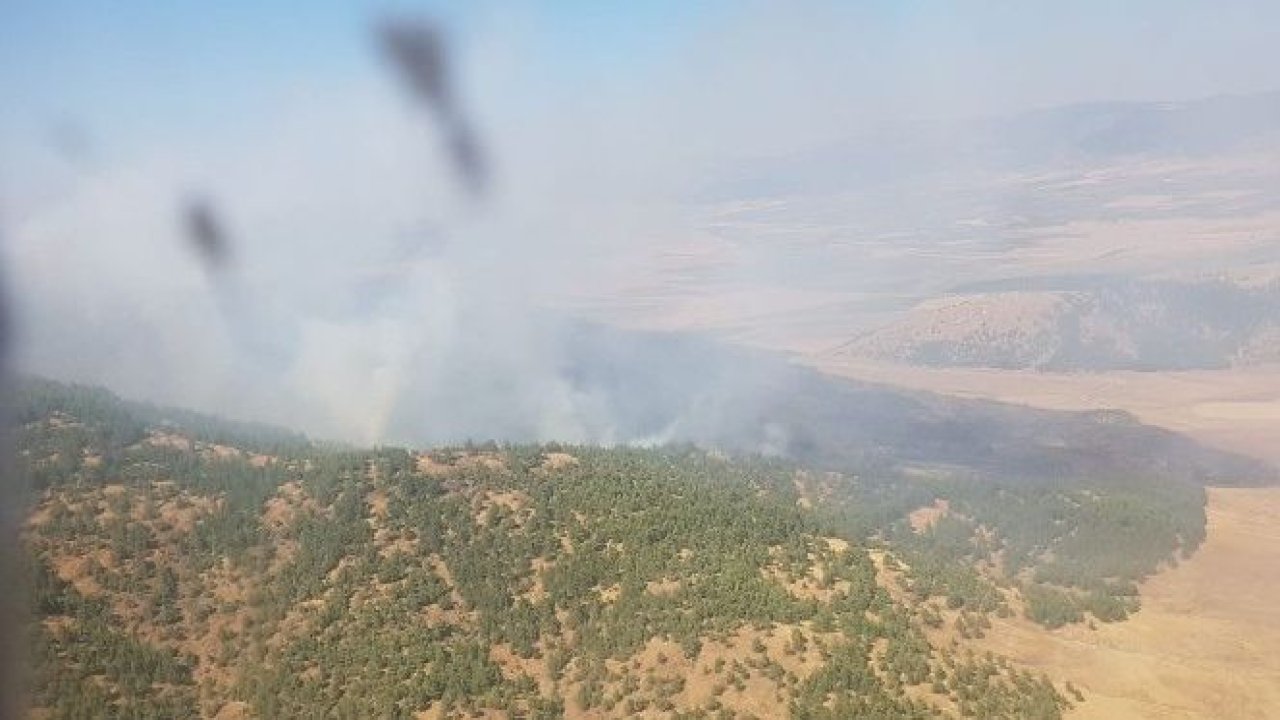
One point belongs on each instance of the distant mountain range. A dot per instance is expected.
(1058, 137)
(1089, 324)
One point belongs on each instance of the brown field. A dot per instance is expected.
(1236, 409)
(1206, 643)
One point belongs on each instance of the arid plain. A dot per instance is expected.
(1206, 643)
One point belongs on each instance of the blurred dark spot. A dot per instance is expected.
(71, 141)
(417, 50)
(465, 150)
(206, 233)
(415, 47)
(5, 327)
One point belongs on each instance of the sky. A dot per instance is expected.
(134, 71)
(600, 119)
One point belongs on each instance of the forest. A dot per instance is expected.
(180, 565)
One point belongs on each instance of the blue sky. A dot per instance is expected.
(137, 69)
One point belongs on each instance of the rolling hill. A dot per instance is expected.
(182, 565)
(1085, 324)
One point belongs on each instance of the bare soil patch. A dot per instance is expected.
(1205, 643)
(923, 518)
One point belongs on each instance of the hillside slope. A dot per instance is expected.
(182, 566)
(1085, 325)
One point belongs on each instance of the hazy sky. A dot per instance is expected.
(599, 118)
(145, 69)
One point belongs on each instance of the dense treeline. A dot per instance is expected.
(1082, 542)
(178, 571)
(91, 668)
(110, 423)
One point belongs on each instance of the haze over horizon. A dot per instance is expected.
(620, 139)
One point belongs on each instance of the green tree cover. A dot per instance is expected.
(1088, 541)
(1092, 538)
(330, 581)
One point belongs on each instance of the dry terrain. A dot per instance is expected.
(1207, 642)
(1236, 409)
(1204, 644)
(803, 274)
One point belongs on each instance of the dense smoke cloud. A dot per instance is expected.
(372, 299)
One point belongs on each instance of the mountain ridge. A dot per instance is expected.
(174, 574)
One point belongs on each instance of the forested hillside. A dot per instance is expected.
(184, 566)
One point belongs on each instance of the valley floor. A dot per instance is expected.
(1236, 409)
(1204, 645)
